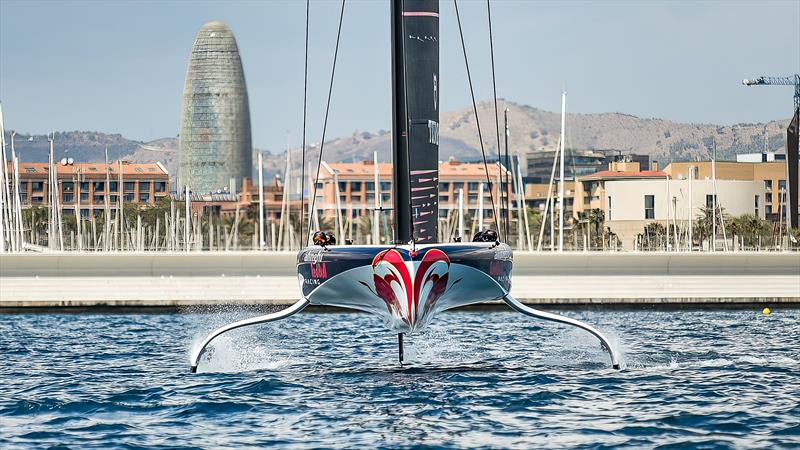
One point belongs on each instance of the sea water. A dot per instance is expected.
(696, 379)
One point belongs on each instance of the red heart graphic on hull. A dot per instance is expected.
(404, 291)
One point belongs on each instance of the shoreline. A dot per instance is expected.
(172, 281)
(497, 306)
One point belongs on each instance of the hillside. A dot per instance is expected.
(664, 140)
(531, 129)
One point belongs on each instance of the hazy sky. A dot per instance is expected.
(119, 66)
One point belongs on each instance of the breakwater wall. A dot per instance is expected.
(193, 278)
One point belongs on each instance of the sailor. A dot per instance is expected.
(485, 236)
(324, 239)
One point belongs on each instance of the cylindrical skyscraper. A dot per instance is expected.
(215, 141)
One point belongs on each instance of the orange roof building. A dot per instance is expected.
(83, 185)
(354, 186)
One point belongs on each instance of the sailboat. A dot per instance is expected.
(407, 283)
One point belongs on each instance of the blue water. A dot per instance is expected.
(708, 379)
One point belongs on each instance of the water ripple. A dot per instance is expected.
(474, 379)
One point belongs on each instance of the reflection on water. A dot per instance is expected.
(495, 379)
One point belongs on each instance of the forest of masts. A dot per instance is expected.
(173, 225)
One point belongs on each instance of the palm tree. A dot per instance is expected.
(596, 218)
(703, 223)
(653, 237)
(36, 218)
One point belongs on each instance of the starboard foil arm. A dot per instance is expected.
(518, 306)
(282, 314)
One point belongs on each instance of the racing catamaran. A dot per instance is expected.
(407, 283)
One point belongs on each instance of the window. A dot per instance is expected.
(768, 197)
(342, 186)
(319, 185)
(781, 185)
(472, 186)
(99, 186)
(128, 197)
(355, 198)
(756, 205)
(444, 187)
(23, 187)
(84, 186)
(710, 201)
(370, 185)
(37, 186)
(649, 206)
(98, 199)
(144, 185)
(37, 200)
(161, 186)
(608, 215)
(144, 197)
(370, 198)
(386, 198)
(768, 210)
(444, 198)
(386, 186)
(23, 197)
(129, 186)
(472, 198)
(767, 185)
(355, 185)
(343, 198)
(84, 214)
(68, 197)
(113, 186)
(113, 199)
(84, 197)
(67, 186)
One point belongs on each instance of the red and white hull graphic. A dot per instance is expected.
(406, 287)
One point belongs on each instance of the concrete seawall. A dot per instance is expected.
(176, 279)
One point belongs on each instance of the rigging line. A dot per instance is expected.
(327, 110)
(408, 127)
(502, 191)
(477, 120)
(305, 115)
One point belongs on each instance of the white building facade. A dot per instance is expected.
(633, 203)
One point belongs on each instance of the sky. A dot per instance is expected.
(119, 66)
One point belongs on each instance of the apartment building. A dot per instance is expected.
(351, 187)
(86, 186)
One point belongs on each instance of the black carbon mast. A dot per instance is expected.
(415, 119)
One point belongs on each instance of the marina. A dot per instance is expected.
(412, 267)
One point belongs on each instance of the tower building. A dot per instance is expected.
(215, 140)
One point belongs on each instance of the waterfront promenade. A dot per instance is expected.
(200, 278)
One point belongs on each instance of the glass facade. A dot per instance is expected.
(215, 139)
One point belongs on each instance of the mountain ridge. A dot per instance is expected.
(530, 129)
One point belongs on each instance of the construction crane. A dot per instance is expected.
(778, 81)
(792, 143)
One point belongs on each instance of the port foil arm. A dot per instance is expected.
(282, 314)
(518, 306)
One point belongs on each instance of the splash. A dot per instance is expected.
(242, 350)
